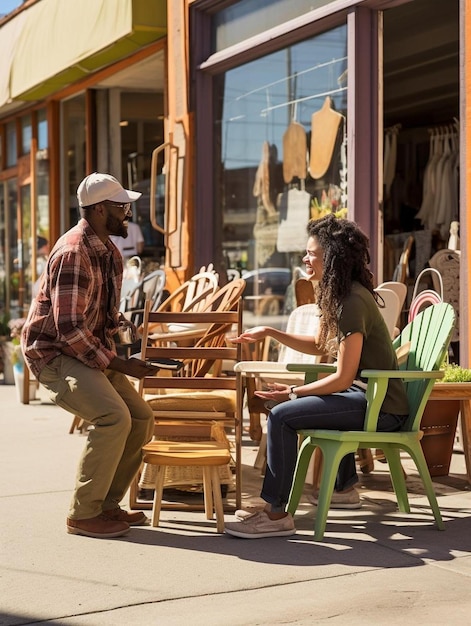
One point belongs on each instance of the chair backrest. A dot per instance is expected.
(303, 320)
(400, 290)
(152, 288)
(192, 294)
(401, 273)
(427, 338)
(391, 309)
(199, 358)
(447, 264)
(225, 298)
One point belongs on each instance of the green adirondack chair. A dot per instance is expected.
(425, 341)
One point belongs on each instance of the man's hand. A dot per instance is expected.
(133, 367)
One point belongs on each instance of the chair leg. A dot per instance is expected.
(261, 458)
(302, 464)
(421, 464)
(76, 424)
(133, 490)
(217, 498)
(317, 468)
(208, 492)
(158, 495)
(333, 453)
(365, 460)
(392, 454)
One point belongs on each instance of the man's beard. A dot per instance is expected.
(116, 227)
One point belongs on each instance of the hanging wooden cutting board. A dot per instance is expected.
(324, 128)
(294, 152)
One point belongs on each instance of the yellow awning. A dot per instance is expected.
(9, 35)
(62, 41)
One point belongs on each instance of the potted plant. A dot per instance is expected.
(6, 348)
(16, 359)
(440, 418)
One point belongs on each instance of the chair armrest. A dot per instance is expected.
(378, 384)
(404, 374)
(311, 370)
(177, 335)
(260, 367)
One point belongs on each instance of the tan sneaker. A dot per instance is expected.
(259, 526)
(100, 527)
(249, 510)
(133, 519)
(347, 500)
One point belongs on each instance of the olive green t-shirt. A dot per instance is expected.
(360, 314)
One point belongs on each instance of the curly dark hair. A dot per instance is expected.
(346, 258)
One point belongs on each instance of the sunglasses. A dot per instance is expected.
(123, 206)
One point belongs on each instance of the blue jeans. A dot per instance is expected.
(338, 411)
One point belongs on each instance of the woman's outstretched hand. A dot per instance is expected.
(275, 391)
(251, 335)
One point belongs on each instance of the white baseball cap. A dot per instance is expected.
(97, 187)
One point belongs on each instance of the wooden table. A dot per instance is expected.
(461, 392)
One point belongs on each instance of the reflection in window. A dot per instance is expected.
(246, 18)
(280, 132)
(11, 144)
(12, 240)
(42, 130)
(3, 252)
(74, 137)
(26, 134)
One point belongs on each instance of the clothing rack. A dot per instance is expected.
(323, 94)
(290, 77)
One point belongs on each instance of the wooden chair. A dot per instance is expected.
(427, 339)
(209, 455)
(400, 290)
(191, 296)
(151, 287)
(190, 400)
(222, 299)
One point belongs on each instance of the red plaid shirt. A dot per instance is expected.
(76, 310)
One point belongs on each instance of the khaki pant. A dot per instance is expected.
(123, 422)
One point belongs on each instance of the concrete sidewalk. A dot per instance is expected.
(376, 566)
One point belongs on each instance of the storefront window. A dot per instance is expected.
(24, 248)
(26, 134)
(42, 130)
(3, 253)
(42, 217)
(280, 132)
(14, 242)
(11, 144)
(74, 141)
(247, 18)
(141, 132)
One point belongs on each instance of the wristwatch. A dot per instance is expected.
(292, 395)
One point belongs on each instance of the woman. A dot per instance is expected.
(337, 256)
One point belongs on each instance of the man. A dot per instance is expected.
(68, 342)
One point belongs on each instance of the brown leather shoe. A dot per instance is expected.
(133, 519)
(101, 527)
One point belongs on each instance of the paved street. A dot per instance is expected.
(376, 566)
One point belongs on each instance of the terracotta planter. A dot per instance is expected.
(439, 427)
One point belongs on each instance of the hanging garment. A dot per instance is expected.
(325, 125)
(265, 230)
(261, 187)
(294, 216)
(390, 157)
(294, 152)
